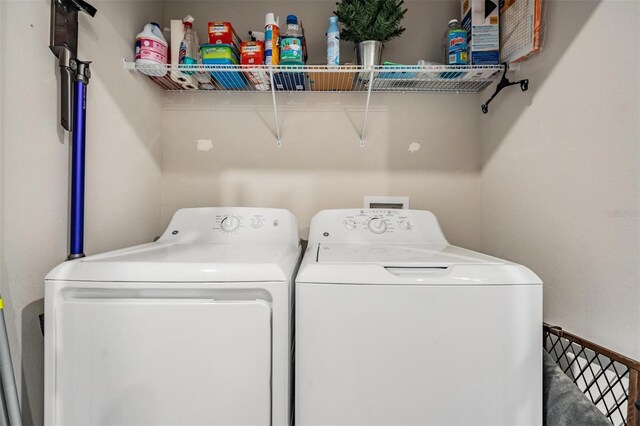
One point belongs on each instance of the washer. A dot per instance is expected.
(394, 326)
(191, 329)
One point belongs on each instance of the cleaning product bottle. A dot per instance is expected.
(188, 47)
(151, 51)
(271, 39)
(454, 45)
(333, 42)
(202, 76)
(291, 50)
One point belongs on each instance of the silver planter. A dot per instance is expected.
(369, 53)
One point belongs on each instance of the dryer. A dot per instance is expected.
(395, 326)
(191, 329)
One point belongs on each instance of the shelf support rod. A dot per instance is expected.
(366, 109)
(275, 109)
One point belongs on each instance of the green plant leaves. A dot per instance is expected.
(370, 19)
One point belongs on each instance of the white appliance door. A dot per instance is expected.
(418, 355)
(162, 361)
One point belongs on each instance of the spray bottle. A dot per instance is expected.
(189, 45)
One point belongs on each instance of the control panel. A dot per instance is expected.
(232, 225)
(368, 225)
(378, 221)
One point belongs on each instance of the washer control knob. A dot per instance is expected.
(350, 224)
(230, 223)
(377, 225)
(404, 225)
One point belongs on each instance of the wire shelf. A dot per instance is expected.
(321, 78)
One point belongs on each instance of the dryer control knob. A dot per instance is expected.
(230, 223)
(377, 225)
(405, 225)
(350, 224)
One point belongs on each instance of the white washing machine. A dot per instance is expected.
(394, 326)
(192, 329)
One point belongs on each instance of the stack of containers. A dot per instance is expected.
(223, 49)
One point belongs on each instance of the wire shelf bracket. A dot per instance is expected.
(366, 110)
(275, 110)
(504, 83)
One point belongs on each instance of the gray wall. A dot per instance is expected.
(560, 174)
(123, 154)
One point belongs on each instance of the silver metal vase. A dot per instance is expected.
(369, 53)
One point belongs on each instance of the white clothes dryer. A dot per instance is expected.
(394, 326)
(191, 329)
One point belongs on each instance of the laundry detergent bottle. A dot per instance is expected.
(152, 51)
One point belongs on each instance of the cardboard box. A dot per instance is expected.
(252, 53)
(331, 81)
(481, 20)
(223, 33)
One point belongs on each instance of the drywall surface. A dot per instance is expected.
(123, 153)
(560, 177)
(320, 164)
(220, 149)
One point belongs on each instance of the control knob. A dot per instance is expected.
(350, 224)
(404, 225)
(230, 223)
(377, 225)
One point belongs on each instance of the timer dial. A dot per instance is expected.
(377, 225)
(230, 223)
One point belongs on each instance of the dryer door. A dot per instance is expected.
(154, 357)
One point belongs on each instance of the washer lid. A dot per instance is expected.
(412, 264)
(184, 262)
(401, 255)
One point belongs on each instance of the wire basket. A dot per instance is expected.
(610, 380)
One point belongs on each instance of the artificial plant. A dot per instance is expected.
(370, 19)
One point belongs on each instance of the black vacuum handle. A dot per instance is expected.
(64, 43)
(83, 6)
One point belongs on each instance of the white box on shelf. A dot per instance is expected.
(481, 20)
